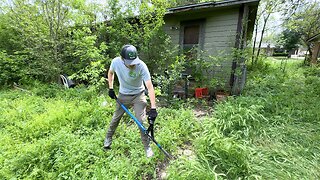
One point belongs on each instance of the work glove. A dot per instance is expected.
(112, 94)
(152, 116)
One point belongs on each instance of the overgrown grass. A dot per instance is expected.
(52, 133)
(272, 131)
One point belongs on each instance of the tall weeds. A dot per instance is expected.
(270, 132)
(54, 133)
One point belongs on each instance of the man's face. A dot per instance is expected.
(128, 66)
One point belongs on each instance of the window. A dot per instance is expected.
(191, 35)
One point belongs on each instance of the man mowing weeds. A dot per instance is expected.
(131, 73)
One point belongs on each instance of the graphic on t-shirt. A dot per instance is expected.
(133, 74)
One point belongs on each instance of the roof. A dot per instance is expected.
(207, 5)
(265, 45)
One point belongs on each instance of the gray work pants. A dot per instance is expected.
(139, 104)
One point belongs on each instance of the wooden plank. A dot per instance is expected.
(223, 35)
(221, 23)
(220, 44)
(216, 50)
(220, 18)
(224, 28)
(223, 16)
(215, 42)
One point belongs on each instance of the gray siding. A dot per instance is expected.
(219, 33)
(169, 28)
(220, 30)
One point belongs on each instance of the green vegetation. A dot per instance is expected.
(39, 40)
(58, 134)
(271, 131)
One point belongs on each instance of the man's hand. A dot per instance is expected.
(112, 94)
(152, 116)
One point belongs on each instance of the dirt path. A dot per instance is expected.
(186, 149)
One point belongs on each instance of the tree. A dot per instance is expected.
(27, 37)
(266, 8)
(140, 24)
(42, 32)
(289, 40)
(51, 37)
(306, 22)
(185, 2)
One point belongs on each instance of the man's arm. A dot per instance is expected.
(152, 95)
(110, 79)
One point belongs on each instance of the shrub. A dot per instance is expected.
(280, 54)
(10, 68)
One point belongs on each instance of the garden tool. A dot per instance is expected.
(144, 130)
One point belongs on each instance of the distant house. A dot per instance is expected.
(267, 48)
(215, 27)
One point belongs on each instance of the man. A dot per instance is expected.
(131, 73)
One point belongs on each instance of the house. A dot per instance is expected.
(215, 28)
(267, 48)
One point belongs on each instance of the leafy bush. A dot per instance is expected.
(10, 68)
(166, 80)
(87, 60)
(280, 54)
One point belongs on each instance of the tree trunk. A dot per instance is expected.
(307, 58)
(315, 53)
(262, 33)
(254, 43)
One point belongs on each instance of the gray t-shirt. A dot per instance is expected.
(131, 80)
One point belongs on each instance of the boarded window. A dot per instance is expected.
(191, 34)
(191, 39)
